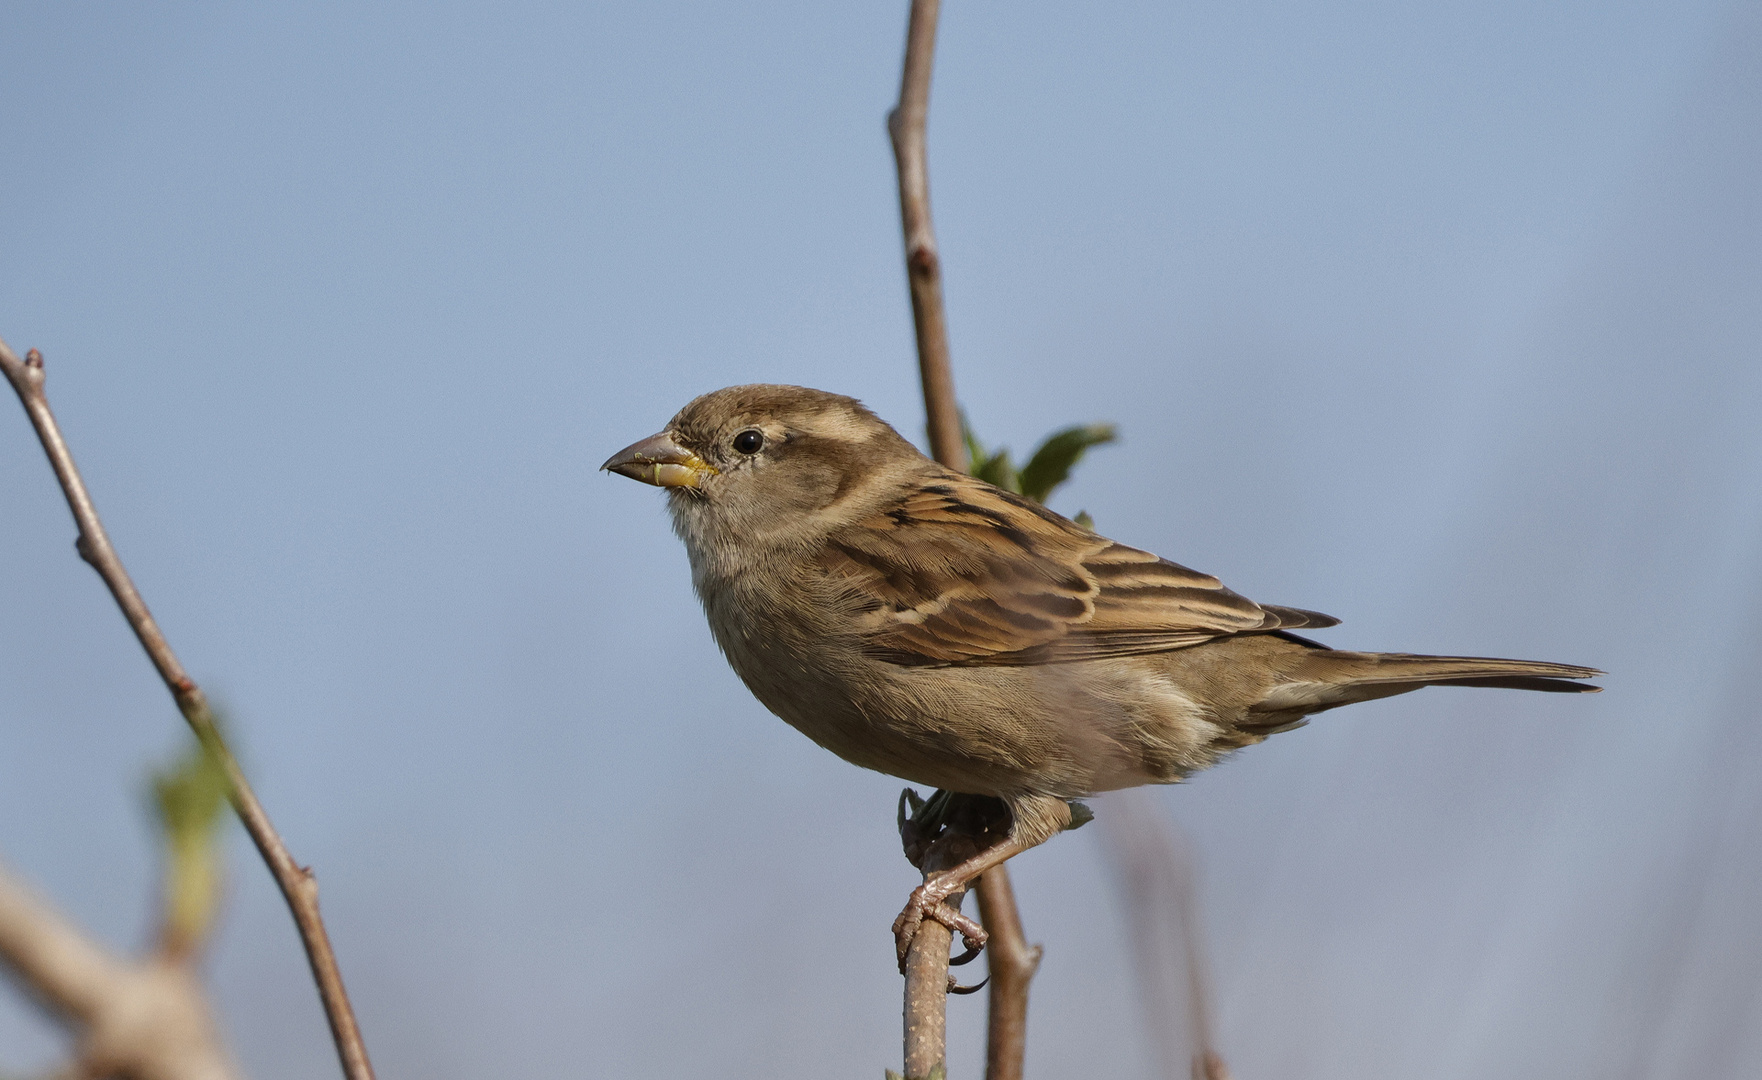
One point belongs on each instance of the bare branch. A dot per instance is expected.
(298, 886)
(1011, 962)
(926, 966)
(58, 964)
(923, 262)
(144, 1020)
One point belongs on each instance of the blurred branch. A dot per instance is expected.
(143, 1020)
(298, 886)
(923, 263)
(148, 1019)
(1156, 882)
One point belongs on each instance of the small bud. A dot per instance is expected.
(33, 359)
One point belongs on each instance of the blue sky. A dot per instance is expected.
(1441, 318)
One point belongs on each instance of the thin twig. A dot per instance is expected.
(923, 263)
(298, 885)
(1155, 868)
(1011, 963)
(926, 967)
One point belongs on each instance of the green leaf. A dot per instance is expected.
(190, 797)
(998, 470)
(1052, 463)
(993, 468)
(975, 448)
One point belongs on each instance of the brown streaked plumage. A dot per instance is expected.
(925, 624)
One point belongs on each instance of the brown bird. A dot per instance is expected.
(925, 624)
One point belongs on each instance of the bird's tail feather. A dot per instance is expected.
(1323, 679)
(1375, 670)
(1524, 682)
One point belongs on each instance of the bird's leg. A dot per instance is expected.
(926, 901)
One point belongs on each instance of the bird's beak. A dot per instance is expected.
(660, 461)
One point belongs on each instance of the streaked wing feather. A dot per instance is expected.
(962, 573)
(1291, 618)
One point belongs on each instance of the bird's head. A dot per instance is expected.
(756, 463)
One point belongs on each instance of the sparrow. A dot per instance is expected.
(922, 623)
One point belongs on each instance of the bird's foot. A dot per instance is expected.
(926, 902)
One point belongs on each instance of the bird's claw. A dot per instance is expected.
(957, 988)
(923, 904)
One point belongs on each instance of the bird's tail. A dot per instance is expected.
(1325, 679)
(1411, 672)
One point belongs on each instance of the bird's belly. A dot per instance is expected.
(1062, 730)
(859, 721)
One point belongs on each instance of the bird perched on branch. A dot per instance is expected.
(925, 624)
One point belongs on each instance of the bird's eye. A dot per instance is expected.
(750, 441)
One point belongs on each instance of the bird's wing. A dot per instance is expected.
(958, 572)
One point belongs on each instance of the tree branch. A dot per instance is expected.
(1010, 960)
(1011, 963)
(926, 972)
(923, 263)
(60, 966)
(926, 966)
(298, 886)
(146, 1020)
